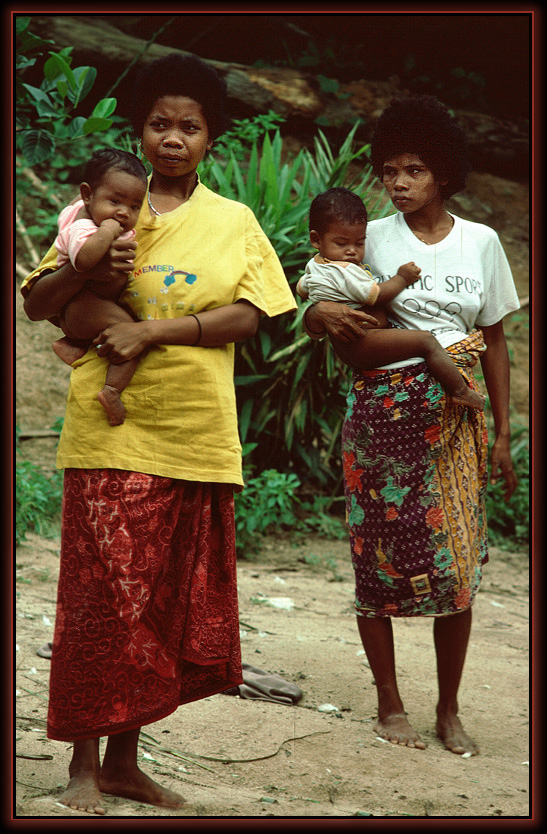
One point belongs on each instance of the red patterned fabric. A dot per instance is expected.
(147, 612)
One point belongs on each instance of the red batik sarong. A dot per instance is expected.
(147, 611)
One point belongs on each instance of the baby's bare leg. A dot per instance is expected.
(118, 378)
(383, 346)
(443, 369)
(85, 316)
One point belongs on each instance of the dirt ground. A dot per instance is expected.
(232, 757)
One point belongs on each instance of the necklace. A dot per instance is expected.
(155, 211)
(427, 243)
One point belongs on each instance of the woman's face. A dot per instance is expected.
(411, 185)
(175, 136)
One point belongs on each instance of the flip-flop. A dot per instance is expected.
(45, 650)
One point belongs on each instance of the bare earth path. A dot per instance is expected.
(232, 757)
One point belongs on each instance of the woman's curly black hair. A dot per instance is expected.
(422, 125)
(181, 75)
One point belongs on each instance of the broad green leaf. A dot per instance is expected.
(76, 127)
(56, 66)
(38, 94)
(37, 145)
(84, 78)
(104, 108)
(94, 125)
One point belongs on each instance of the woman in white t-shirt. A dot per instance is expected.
(415, 463)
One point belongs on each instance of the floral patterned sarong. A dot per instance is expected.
(415, 474)
(147, 612)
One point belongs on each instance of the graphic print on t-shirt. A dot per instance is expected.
(436, 302)
(175, 278)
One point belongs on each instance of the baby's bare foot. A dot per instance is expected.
(469, 398)
(82, 794)
(396, 728)
(68, 351)
(138, 786)
(110, 400)
(454, 737)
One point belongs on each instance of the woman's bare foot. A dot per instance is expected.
(454, 737)
(83, 794)
(396, 728)
(134, 784)
(111, 401)
(68, 350)
(469, 398)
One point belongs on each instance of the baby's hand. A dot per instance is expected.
(112, 225)
(409, 272)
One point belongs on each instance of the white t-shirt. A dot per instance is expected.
(325, 280)
(465, 280)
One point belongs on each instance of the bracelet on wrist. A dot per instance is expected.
(198, 340)
(318, 335)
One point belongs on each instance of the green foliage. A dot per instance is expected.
(270, 504)
(244, 132)
(509, 523)
(290, 389)
(37, 498)
(59, 174)
(47, 115)
(267, 501)
(334, 58)
(458, 87)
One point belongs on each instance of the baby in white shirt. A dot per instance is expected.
(338, 223)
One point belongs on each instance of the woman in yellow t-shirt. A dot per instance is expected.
(147, 615)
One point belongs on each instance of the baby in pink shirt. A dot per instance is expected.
(114, 187)
(75, 229)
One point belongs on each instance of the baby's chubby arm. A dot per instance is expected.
(407, 274)
(300, 290)
(98, 244)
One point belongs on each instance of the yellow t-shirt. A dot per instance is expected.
(181, 411)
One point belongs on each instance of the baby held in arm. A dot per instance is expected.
(112, 193)
(338, 224)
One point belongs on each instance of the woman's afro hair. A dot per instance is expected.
(424, 126)
(181, 75)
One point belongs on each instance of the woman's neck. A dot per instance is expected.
(430, 224)
(170, 192)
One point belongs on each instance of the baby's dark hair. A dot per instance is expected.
(422, 125)
(181, 75)
(109, 159)
(336, 205)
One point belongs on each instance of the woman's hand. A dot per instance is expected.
(122, 341)
(495, 367)
(117, 263)
(342, 323)
(501, 465)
